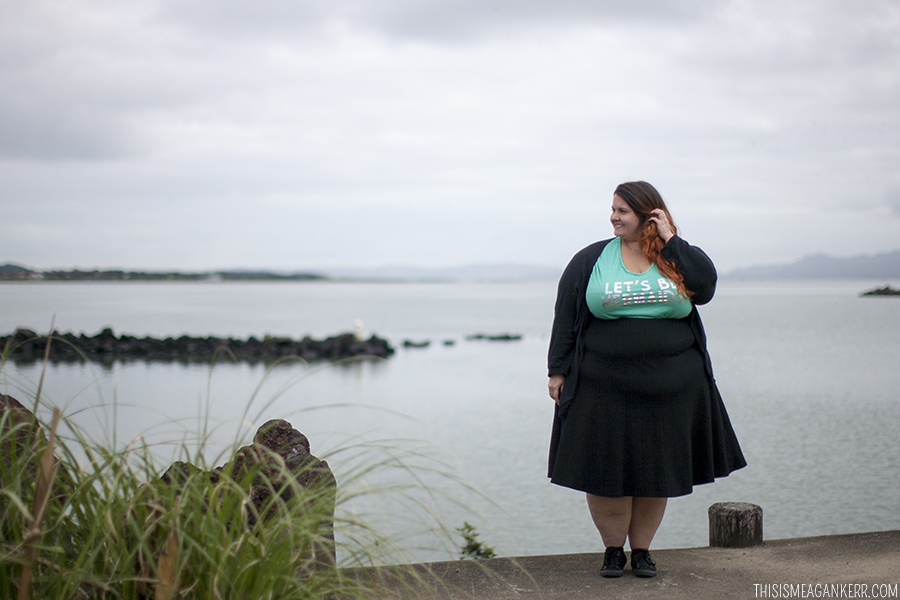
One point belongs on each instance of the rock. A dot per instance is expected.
(18, 429)
(22, 443)
(279, 450)
(500, 337)
(412, 344)
(277, 470)
(882, 291)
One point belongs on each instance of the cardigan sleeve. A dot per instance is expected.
(696, 268)
(569, 311)
(563, 334)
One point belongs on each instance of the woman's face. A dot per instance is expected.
(626, 223)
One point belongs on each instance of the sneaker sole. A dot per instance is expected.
(612, 573)
(644, 573)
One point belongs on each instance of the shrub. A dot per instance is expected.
(472, 547)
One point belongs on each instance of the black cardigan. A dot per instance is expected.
(572, 314)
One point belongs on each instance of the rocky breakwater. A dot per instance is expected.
(24, 345)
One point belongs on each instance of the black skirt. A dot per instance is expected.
(646, 420)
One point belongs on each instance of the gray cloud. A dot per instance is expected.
(473, 18)
(416, 20)
(64, 132)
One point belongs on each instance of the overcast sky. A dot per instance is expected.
(295, 134)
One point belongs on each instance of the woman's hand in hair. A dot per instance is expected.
(659, 216)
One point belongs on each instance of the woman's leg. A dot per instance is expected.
(636, 519)
(646, 515)
(612, 518)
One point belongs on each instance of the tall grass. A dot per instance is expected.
(117, 524)
(116, 529)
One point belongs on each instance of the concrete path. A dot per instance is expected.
(863, 565)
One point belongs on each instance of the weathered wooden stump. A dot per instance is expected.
(735, 525)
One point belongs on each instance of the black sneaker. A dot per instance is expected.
(613, 562)
(642, 564)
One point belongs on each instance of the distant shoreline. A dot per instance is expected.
(11, 272)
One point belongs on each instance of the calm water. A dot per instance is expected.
(808, 372)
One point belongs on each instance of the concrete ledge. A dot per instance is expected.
(868, 559)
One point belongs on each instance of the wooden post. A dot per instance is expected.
(735, 525)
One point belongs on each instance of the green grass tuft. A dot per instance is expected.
(472, 547)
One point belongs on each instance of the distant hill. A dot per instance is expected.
(12, 272)
(821, 266)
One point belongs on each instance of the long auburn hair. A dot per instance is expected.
(642, 198)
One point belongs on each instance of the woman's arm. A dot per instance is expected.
(695, 266)
(563, 334)
(569, 296)
(570, 314)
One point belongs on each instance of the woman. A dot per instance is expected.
(638, 418)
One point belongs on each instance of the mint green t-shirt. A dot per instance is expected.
(614, 292)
